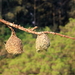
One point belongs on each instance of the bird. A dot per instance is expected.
(42, 42)
(14, 44)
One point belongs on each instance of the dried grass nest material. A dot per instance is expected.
(14, 44)
(42, 42)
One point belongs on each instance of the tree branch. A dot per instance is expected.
(18, 27)
(31, 30)
(34, 28)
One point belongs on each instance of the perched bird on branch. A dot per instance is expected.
(14, 44)
(42, 42)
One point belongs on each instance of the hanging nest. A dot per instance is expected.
(42, 42)
(14, 44)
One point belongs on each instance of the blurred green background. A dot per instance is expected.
(60, 57)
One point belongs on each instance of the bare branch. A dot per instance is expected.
(31, 30)
(59, 35)
(13, 32)
(18, 27)
(34, 28)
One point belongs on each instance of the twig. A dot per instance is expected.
(34, 28)
(31, 30)
(13, 32)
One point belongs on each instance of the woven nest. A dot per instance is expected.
(42, 42)
(14, 44)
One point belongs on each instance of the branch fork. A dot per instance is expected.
(32, 30)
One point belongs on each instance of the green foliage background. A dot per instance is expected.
(58, 60)
(60, 57)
